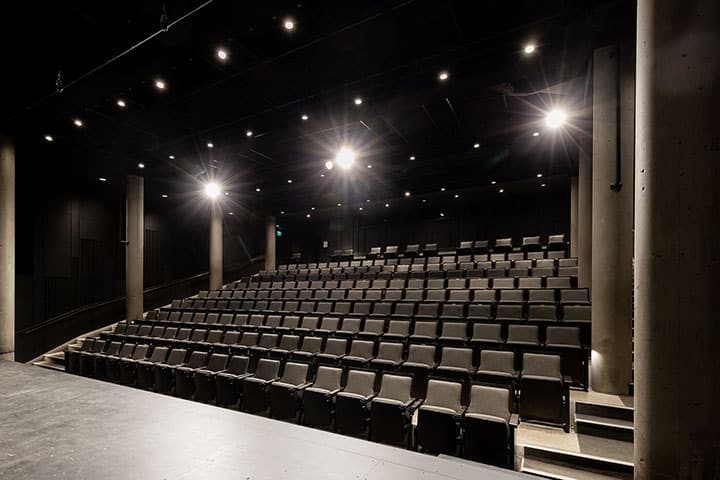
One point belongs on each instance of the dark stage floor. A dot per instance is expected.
(54, 425)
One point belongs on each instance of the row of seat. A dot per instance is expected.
(379, 265)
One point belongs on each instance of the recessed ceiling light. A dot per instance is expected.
(141, 165)
(212, 190)
(329, 165)
(282, 212)
(529, 48)
(312, 208)
(442, 214)
(171, 157)
(476, 145)
(543, 185)
(536, 134)
(210, 145)
(442, 76)
(502, 190)
(369, 166)
(78, 122)
(160, 84)
(289, 24)
(231, 213)
(424, 200)
(164, 195)
(539, 175)
(257, 189)
(345, 158)
(412, 157)
(248, 133)
(358, 101)
(493, 182)
(457, 196)
(289, 180)
(49, 138)
(361, 209)
(227, 194)
(102, 179)
(387, 205)
(121, 103)
(339, 204)
(442, 189)
(555, 118)
(222, 54)
(322, 175)
(367, 201)
(304, 117)
(308, 215)
(407, 194)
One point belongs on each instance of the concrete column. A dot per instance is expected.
(216, 246)
(270, 259)
(677, 245)
(584, 202)
(134, 253)
(573, 216)
(612, 218)
(7, 248)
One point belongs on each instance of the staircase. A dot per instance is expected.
(55, 359)
(604, 436)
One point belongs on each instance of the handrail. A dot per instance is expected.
(92, 306)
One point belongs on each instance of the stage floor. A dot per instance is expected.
(54, 425)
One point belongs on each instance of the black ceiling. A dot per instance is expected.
(387, 52)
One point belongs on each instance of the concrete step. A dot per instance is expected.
(561, 464)
(605, 410)
(49, 365)
(57, 358)
(602, 420)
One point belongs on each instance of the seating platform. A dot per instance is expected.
(57, 425)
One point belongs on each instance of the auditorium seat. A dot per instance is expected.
(86, 358)
(456, 363)
(389, 356)
(351, 414)
(204, 377)
(489, 428)
(398, 330)
(112, 366)
(286, 393)
(361, 352)
(310, 347)
(372, 329)
(557, 243)
(145, 376)
(228, 382)
(100, 360)
(544, 394)
(438, 422)
(565, 341)
(486, 334)
(288, 344)
(164, 371)
(420, 362)
(391, 410)
(335, 349)
(453, 333)
(128, 365)
(497, 368)
(576, 313)
(319, 397)
(255, 386)
(185, 373)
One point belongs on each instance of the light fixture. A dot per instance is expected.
(387, 205)
(289, 180)
(160, 84)
(257, 189)
(231, 213)
(248, 133)
(529, 48)
(282, 212)
(493, 182)
(367, 201)
(78, 122)
(412, 157)
(322, 175)
(308, 215)
(329, 165)
(424, 200)
(442, 189)
(312, 208)
(227, 194)
(442, 214)
(502, 190)
(304, 117)
(210, 145)
(536, 134)
(212, 190)
(102, 179)
(539, 175)
(357, 101)
(345, 158)
(339, 204)
(457, 196)
(442, 76)
(171, 157)
(543, 185)
(369, 166)
(141, 165)
(476, 145)
(164, 195)
(289, 24)
(49, 138)
(555, 118)
(407, 194)
(222, 54)
(121, 103)
(361, 209)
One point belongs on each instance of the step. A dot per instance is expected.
(554, 471)
(57, 358)
(606, 427)
(605, 410)
(557, 461)
(49, 365)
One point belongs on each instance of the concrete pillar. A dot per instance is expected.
(7, 248)
(216, 246)
(677, 246)
(270, 259)
(612, 218)
(573, 216)
(134, 253)
(584, 203)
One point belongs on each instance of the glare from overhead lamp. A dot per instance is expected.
(369, 166)
(539, 175)
(141, 165)
(102, 179)
(442, 189)
(361, 209)
(222, 54)
(312, 208)
(282, 212)
(502, 190)
(412, 158)
(493, 182)
(171, 157)
(536, 134)
(227, 194)
(407, 194)
(322, 175)
(307, 216)
(444, 75)
(231, 213)
(248, 133)
(442, 214)
(164, 195)
(529, 48)
(476, 145)
(49, 138)
(457, 196)
(257, 189)
(424, 200)
(160, 84)
(358, 101)
(339, 204)
(345, 158)
(121, 103)
(387, 205)
(329, 165)
(289, 180)
(210, 145)
(212, 190)
(367, 201)
(543, 185)
(289, 24)
(304, 117)
(555, 118)
(78, 122)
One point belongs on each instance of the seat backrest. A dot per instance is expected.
(294, 373)
(176, 356)
(542, 365)
(454, 329)
(312, 344)
(497, 361)
(328, 378)
(523, 333)
(374, 325)
(361, 348)
(395, 387)
(197, 359)
(289, 342)
(423, 354)
(441, 393)
(141, 352)
(562, 336)
(390, 351)
(330, 323)
(159, 354)
(487, 331)
(360, 382)
(238, 365)
(399, 327)
(310, 323)
(268, 340)
(351, 325)
(217, 362)
(249, 339)
(267, 369)
(126, 350)
(336, 346)
(489, 401)
(113, 348)
(291, 321)
(456, 357)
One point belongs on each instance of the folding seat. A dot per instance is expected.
(303, 285)
(412, 250)
(484, 296)
(72, 357)
(470, 267)
(361, 308)
(402, 268)
(437, 296)
(518, 272)
(391, 411)
(406, 261)
(255, 386)
(328, 325)
(127, 366)
(489, 428)
(335, 349)
(307, 306)
(503, 245)
(430, 249)
(255, 321)
(308, 325)
(378, 284)
(305, 294)
(483, 265)
(185, 373)
(164, 371)
(288, 344)
(351, 416)
(453, 333)
(286, 393)
(212, 340)
(347, 284)
(501, 265)
(509, 313)
(316, 285)
(326, 307)
(502, 283)
(544, 392)
(373, 295)
(248, 340)
(575, 296)
(372, 329)
(432, 272)
(541, 296)
(542, 313)
(523, 336)
(465, 248)
(558, 283)
(112, 362)
(386, 275)
(497, 368)
(362, 284)
(420, 362)
(231, 337)
(319, 398)
(100, 359)
(271, 323)
(311, 346)
(247, 305)
(397, 284)
(185, 317)
(486, 334)
(389, 356)
(212, 317)
(350, 327)
(397, 330)
(457, 284)
(479, 311)
(361, 352)
(182, 337)
(567, 271)
(512, 296)
(459, 296)
(274, 306)
(391, 251)
(541, 272)
(557, 242)
(456, 362)
(479, 283)
(566, 341)
(428, 310)
(530, 244)
(241, 319)
(404, 309)
(393, 295)
(413, 295)
(382, 309)
(481, 247)
(516, 256)
(438, 422)
(464, 258)
(87, 358)
(424, 331)
(266, 342)
(291, 306)
(144, 376)
(289, 324)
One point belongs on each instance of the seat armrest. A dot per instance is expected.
(368, 399)
(413, 404)
(567, 379)
(514, 420)
(459, 416)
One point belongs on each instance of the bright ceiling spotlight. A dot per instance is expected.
(322, 175)
(502, 190)
(536, 134)
(444, 75)
(304, 117)
(171, 157)
(555, 118)
(407, 194)
(361, 209)
(442, 214)
(424, 200)
(164, 195)
(289, 180)
(282, 212)
(248, 133)
(539, 175)
(210, 145)
(357, 101)
(369, 166)
(442, 189)
(231, 213)
(222, 54)
(339, 204)
(412, 157)
(493, 182)
(476, 145)
(121, 103)
(49, 138)
(529, 48)
(329, 165)
(78, 122)
(543, 185)
(212, 190)
(345, 158)
(141, 165)
(457, 196)
(312, 208)
(160, 84)
(387, 205)
(307, 216)
(289, 24)
(257, 189)
(227, 194)
(102, 179)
